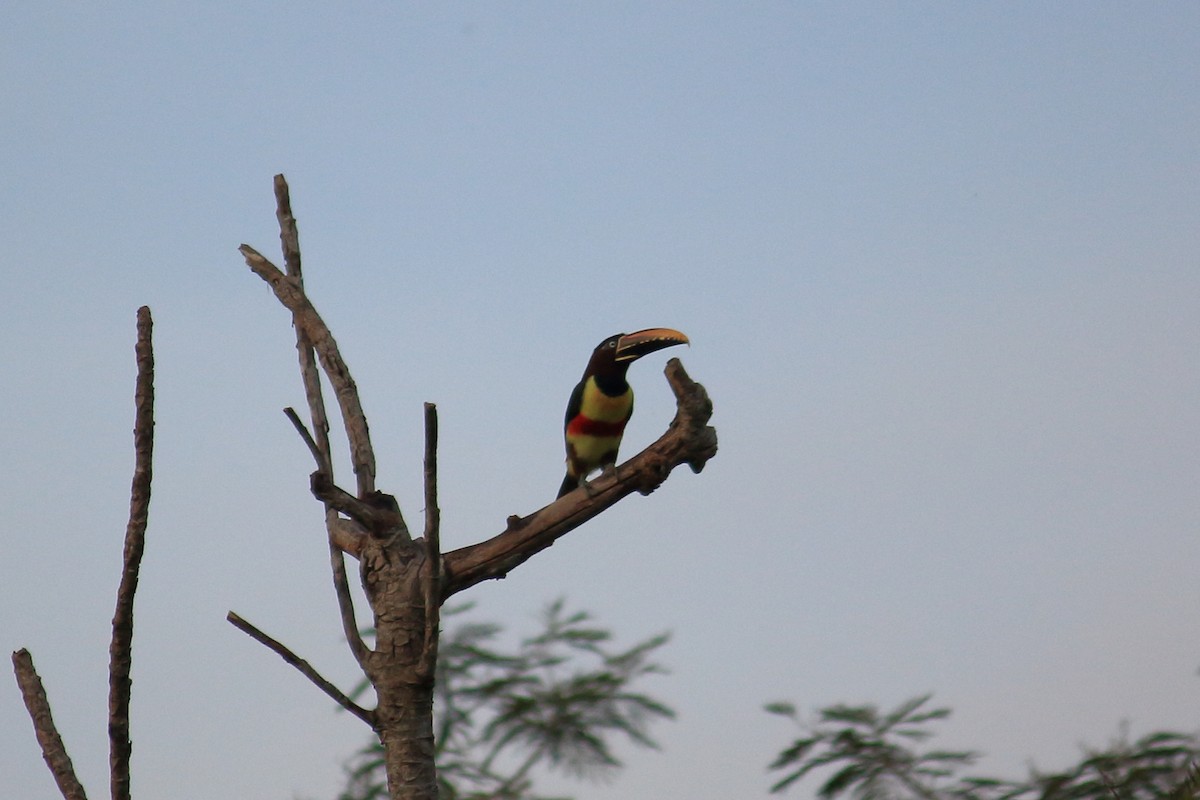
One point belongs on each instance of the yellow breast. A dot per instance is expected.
(601, 407)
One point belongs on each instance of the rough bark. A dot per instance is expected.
(394, 575)
(121, 649)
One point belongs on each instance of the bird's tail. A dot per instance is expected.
(569, 483)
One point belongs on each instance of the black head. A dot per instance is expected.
(612, 357)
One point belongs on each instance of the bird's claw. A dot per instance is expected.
(607, 471)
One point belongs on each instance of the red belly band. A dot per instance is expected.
(583, 426)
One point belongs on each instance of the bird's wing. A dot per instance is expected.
(574, 404)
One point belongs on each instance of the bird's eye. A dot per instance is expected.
(612, 343)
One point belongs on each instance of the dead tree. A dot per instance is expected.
(406, 579)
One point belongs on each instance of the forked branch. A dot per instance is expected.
(343, 538)
(306, 318)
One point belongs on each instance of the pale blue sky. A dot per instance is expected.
(939, 262)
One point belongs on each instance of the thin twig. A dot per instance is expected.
(341, 586)
(121, 648)
(53, 750)
(433, 549)
(298, 424)
(305, 669)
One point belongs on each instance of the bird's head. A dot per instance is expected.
(614, 355)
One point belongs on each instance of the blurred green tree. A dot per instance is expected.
(872, 755)
(555, 701)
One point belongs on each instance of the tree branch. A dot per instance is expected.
(317, 453)
(433, 516)
(689, 440)
(340, 539)
(289, 233)
(54, 752)
(289, 292)
(433, 547)
(378, 512)
(120, 650)
(304, 668)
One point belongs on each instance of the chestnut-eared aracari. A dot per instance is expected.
(603, 401)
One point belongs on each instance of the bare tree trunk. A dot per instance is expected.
(398, 666)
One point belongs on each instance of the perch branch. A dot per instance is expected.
(304, 668)
(689, 440)
(53, 750)
(120, 650)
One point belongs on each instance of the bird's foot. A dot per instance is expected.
(607, 471)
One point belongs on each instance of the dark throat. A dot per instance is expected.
(611, 379)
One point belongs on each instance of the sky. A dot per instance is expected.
(940, 268)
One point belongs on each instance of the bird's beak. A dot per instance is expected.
(634, 345)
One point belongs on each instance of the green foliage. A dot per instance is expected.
(558, 700)
(873, 756)
(871, 751)
(1157, 766)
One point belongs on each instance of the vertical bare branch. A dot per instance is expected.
(121, 648)
(433, 547)
(341, 586)
(289, 233)
(289, 238)
(53, 750)
(433, 515)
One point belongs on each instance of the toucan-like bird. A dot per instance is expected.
(602, 402)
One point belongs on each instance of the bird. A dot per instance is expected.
(602, 402)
